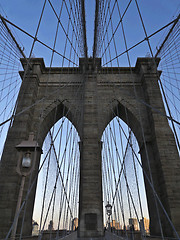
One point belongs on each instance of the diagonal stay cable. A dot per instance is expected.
(36, 39)
(151, 185)
(101, 17)
(145, 39)
(32, 184)
(121, 19)
(66, 34)
(13, 38)
(160, 83)
(72, 23)
(32, 105)
(167, 36)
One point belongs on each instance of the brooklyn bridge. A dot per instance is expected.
(89, 120)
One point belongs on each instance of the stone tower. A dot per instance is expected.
(106, 93)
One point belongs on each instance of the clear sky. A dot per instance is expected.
(24, 13)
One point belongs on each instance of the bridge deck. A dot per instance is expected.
(108, 236)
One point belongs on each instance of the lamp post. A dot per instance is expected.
(25, 166)
(108, 212)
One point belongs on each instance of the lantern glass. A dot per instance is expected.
(26, 161)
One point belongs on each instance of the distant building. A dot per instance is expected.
(133, 224)
(50, 226)
(74, 224)
(145, 228)
(115, 225)
(35, 228)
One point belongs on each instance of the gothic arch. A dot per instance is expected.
(124, 111)
(148, 152)
(57, 155)
(52, 114)
(116, 157)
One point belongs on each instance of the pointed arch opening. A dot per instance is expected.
(122, 179)
(57, 193)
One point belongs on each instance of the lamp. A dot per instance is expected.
(25, 166)
(108, 209)
(108, 212)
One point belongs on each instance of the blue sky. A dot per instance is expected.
(25, 14)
